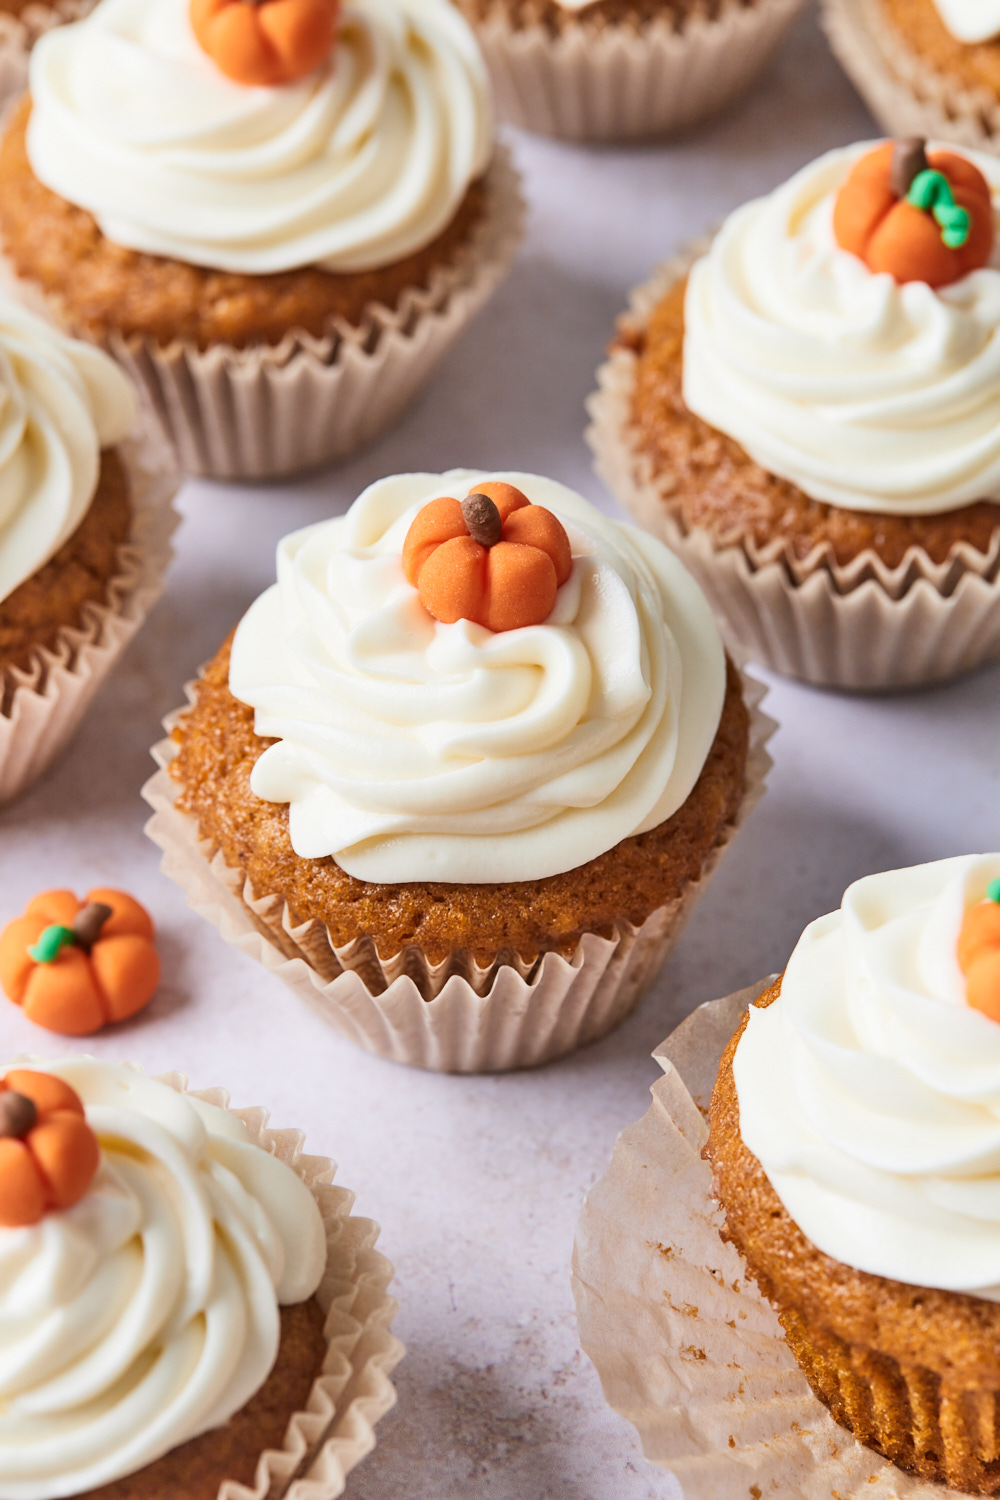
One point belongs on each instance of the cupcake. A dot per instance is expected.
(809, 413)
(85, 521)
(853, 1139)
(278, 262)
(175, 1278)
(608, 70)
(459, 777)
(22, 22)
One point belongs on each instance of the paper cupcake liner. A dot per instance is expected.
(686, 1347)
(603, 82)
(41, 706)
(272, 410)
(905, 94)
(453, 1017)
(863, 625)
(18, 34)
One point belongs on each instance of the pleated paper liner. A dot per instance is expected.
(592, 81)
(455, 1016)
(18, 34)
(861, 626)
(686, 1347)
(905, 94)
(40, 707)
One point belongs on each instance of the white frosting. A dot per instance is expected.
(148, 1313)
(412, 750)
(970, 20)
(61, 402)
(356, 166)
(870, 1091)
(863, 392)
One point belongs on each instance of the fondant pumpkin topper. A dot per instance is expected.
(919, 216)
(493, 558)
(979, 953)
(72, 966)
(48, 1152)
(266, 42)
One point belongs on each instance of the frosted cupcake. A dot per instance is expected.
(85, 521)
(279, 264)
(466, 833)
(853, 1139)
(808, 413)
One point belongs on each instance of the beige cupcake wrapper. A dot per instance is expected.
(905, 94)
(272, 410)
(686, 1347)
(593, 81)
(454, 1016)
(41, 706)
(863, 625)
(18, 34)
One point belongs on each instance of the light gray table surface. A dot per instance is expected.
(477, 1182)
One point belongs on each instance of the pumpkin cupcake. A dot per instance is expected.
(809, 413)
(461, 772)
(188, 1328)
(305, 208)
(85, 522)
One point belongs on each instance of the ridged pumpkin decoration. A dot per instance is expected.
(48, 1152)
(493, 558)
(265, 42)
(979, 953)
(73, 966)
(919, 216)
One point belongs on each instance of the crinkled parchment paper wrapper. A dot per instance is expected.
(593, 81)
(41, 706)
(904, 93)
(862, 625)
(276, 409)
(18, 34)
(453, 1017)
(686, 1347)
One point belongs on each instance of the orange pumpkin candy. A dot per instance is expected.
(107, 973)
(891, 234)
(265, 42)
(493, 558)
(48, 1152)
(979, 954)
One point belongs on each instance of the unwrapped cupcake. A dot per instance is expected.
(854, 1144)
(809, 413)
(461, 772)
(85, 523)
(278, 232)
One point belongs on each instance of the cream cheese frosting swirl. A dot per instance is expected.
(356, 166)
(61, 402)
(865, 393)
(970, 20)
(148, 1313)
(410, 750)
(870, 1091)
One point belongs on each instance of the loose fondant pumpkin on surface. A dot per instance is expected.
(73, 966)
(265, 42)
(979, 953)
(920, 216)
(493, 558)
(48, 1152)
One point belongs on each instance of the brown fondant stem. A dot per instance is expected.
(482, 520)
(87, 924)
(18, 1114)
(909, 159)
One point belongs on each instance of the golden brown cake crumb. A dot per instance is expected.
(102, 288)
(78, 574)
(717, 487)
(976, 65)
(218, 749)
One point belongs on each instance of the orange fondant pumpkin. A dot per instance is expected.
(73, 966)
(265, 42)
(48, 1152)
(876, 221)
(493, 558)
(979, 954)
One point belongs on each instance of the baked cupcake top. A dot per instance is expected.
(869, 1091)
(865, 391)
(357, 165)
(61, 402)
(146, 1312)
(413, 749)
